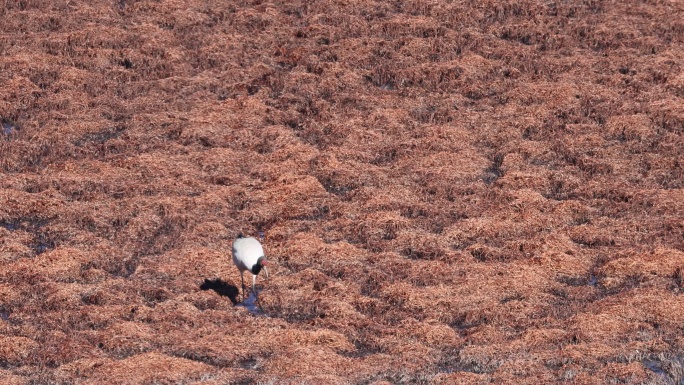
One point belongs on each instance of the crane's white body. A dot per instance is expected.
(247, 252)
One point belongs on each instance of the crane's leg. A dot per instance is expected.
(256, 296)
(253, 284)
(242, 278)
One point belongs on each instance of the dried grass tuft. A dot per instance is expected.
(15, 350)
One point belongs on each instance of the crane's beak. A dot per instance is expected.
(266, 271)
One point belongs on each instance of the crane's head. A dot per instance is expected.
(261, 264)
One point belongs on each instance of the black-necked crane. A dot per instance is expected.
(248, 255)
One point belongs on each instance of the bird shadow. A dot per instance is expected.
(221, 288)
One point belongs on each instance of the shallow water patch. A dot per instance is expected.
(9, 225)
(4, 313)
(7, 128)
(251, 303)
(655, 367)
(42, 243)
(668, 367)
(249, 364)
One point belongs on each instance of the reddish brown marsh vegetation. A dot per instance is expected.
(467, 192)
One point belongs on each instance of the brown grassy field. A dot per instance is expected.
(452, 192)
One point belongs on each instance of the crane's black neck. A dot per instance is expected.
(258, 266)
